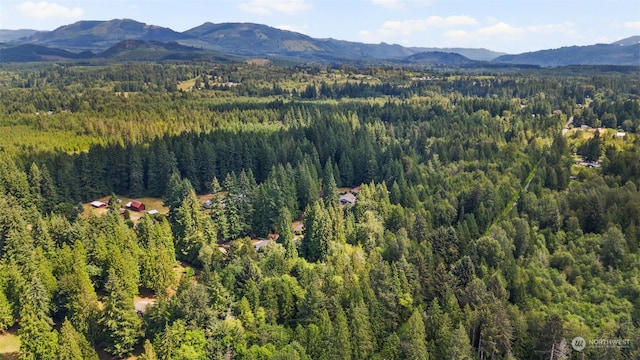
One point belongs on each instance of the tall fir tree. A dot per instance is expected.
(329, 188)
(341, 336)
(319, 232)
(286, 233)
(136, 173)
(120, 323)
(413, 343)
(149, 351)
(38, 339)
(217, 212)
(73, 345)
(460, 346)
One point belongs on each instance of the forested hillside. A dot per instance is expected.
(496, 215)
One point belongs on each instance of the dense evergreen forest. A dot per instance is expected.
(497, 213)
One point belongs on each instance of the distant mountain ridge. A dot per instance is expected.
(622, 52)
(139, 50)
(632, 40)
(11, 35)
(100, 35)
(256, 40)
(126, 50)
(35, 53)
(246, 39)
(438, 58)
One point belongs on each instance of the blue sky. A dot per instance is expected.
(510, 26)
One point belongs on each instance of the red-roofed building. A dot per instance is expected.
(136, 205)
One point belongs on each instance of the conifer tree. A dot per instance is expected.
(180, 342)
(438, 326)
(162, 164)
(326, 339)
(38, 339)
(149, 352)
(413, 339)
(35, 185)
(192, 228)
(157, 256)
(342, 336)
(329, 188)
(319, 232)
(363, 343)
(76, 289)
(286, 233)
(391, 347)
(73, 345)
(6, 314)
(217, 212)
(136, 173)
(177, 191)
(119, 322)
(233, 207)
(460, 346)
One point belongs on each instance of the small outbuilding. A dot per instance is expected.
(142, 305)
(136, 205)
(98, 204)
(347, 199)
(262, 243)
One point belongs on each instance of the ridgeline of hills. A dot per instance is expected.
(623, 52)
(129, 40)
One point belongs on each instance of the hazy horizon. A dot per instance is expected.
(498, 25)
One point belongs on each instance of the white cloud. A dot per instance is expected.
(407, 27)
(403, 27)
(45, 10)
(467, 31)
(451, 20)
(500, 29)
(497, 32)
(500, 36)
(633, 25)
(458, 35)
(400, 4)
(565, 27)
(289, 7)
(391, 4)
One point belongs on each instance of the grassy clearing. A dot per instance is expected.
(205, 197)
(9, 345)
(187, 85)
(150, 203)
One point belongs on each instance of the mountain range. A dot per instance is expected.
(130, 40)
